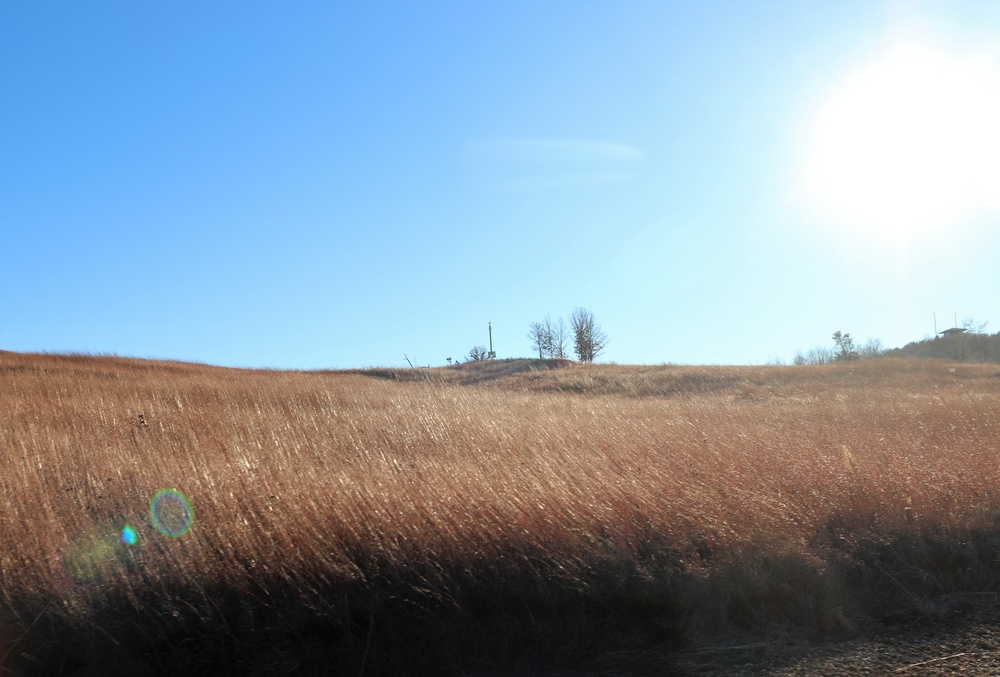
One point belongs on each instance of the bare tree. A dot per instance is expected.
(817, 355)
(588, 337)
(558, 335)
(541, 338)
(820, 355)
(973, 327)
(548, 337)
(970, 342)
(477, 354)
(871, 349)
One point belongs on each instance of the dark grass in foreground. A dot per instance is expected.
(505, 518)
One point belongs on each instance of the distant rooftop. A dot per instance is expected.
(952, 331)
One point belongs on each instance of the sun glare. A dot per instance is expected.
(907, 148)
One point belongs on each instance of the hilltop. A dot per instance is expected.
(959, 347)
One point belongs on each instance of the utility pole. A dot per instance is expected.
(492, 355)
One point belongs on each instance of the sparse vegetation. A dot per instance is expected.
(968, 343)
(477, 354)
(846, 349)
(527, 513)
(971, 344)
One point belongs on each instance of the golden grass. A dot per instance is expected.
(462, 516)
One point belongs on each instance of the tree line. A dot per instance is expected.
(968, 343)
(552, 338)
(845, 349)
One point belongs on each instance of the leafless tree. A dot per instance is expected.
(971, 343)
(973, 327)
(558, 335)
(548, 337)
(477, 354)
(871, 349)
(541, 338)
(817, 355)
(588, 337)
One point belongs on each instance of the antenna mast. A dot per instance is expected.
(492, 355)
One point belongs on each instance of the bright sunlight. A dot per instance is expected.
(907, 147)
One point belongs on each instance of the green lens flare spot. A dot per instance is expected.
(129, 535)
(171, 513)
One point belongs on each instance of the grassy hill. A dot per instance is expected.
(967, 347)
(509, 517)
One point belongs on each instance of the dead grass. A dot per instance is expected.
(497, 514)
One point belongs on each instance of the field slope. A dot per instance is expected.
(514, 517)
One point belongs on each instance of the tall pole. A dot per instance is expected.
(935, 323)
(490, 325)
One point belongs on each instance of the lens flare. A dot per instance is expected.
(171, 513)
(129, 535)
(102, 554)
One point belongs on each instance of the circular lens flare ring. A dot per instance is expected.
(171, 513)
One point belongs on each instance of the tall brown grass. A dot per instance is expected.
(521, 514)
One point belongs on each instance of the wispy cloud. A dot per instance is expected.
(522, 164)
(555, 151)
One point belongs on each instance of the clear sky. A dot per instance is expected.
(335, 184)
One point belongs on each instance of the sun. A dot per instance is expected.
(907, 148)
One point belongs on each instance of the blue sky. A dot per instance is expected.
(334, 184)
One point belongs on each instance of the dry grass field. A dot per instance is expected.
(515, 517)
